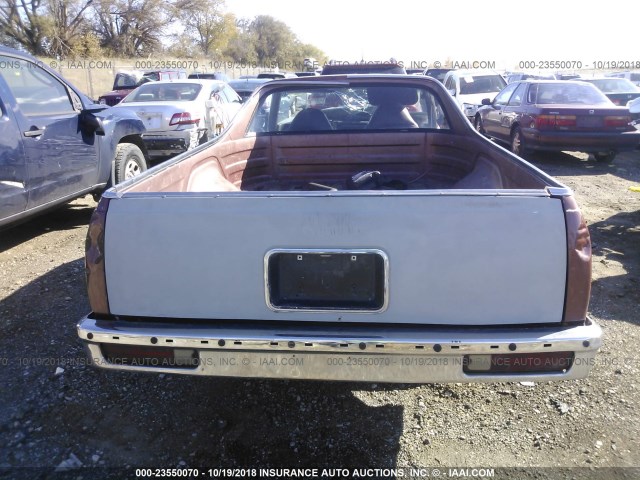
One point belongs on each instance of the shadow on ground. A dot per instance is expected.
(150, 419)
(73, 215)
(617, 239)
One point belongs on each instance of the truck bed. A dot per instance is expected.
(406, 161)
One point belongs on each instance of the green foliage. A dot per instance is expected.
(131, 28)
(25, 23)
(134, 28)
(206, 24)
(273, 40)
(86, 45)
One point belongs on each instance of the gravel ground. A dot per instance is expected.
(55, 410)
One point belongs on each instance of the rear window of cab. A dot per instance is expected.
(344, 108)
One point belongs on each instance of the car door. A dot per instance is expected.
(493, 118)
(511, 112)
(13, 174)
(61, 159)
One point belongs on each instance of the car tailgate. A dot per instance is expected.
(453, 258)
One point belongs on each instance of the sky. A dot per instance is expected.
(503, 32)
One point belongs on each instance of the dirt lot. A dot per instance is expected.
(54, 408)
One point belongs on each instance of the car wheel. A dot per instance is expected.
(517, 142)
(478, 124)
(130, 162)
(605, 157)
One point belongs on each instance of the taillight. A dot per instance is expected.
(183, 118)
(94, 260)
(578, 288)
(554, 121)
(617, 121)
(545, 121)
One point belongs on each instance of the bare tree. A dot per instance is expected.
(131, 27)
(68, 26)
(25, 23)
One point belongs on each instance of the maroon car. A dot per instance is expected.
(557, 115)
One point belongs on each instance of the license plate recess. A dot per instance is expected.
(337, 280)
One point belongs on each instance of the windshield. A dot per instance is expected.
(125, 81)
(566, 93)
(164, 92)
(470, 84)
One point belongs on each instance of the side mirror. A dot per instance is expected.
(486, 101)
(452, 91)
(90, 124)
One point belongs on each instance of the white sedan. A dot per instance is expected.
(181, 114)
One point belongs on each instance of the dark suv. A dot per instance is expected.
(56, 144)
(364, 67)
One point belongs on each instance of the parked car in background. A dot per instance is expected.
(56, 144)
(437, 73)
(125, 82)
(180, 115)
(310, 65)
(246, 86)
(557, 115)
(276, 75)
(223, 77)
(516, 77)
(364, 67)
(306, 74)
(470, 87)
(619, 90)
(633, 77)
(567, 76)
(634, 111)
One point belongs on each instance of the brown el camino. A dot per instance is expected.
(343, 227)
(557, 115)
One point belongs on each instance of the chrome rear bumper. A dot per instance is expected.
(398, 354)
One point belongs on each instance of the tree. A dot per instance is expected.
(273, 40)
(131, 27)
(57, 28)
(68, 27)
(25, 23)
(206, 23)
(241, 45)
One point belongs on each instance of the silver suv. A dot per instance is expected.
(470, 87)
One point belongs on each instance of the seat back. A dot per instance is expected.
(391, 111)
(310, 119)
